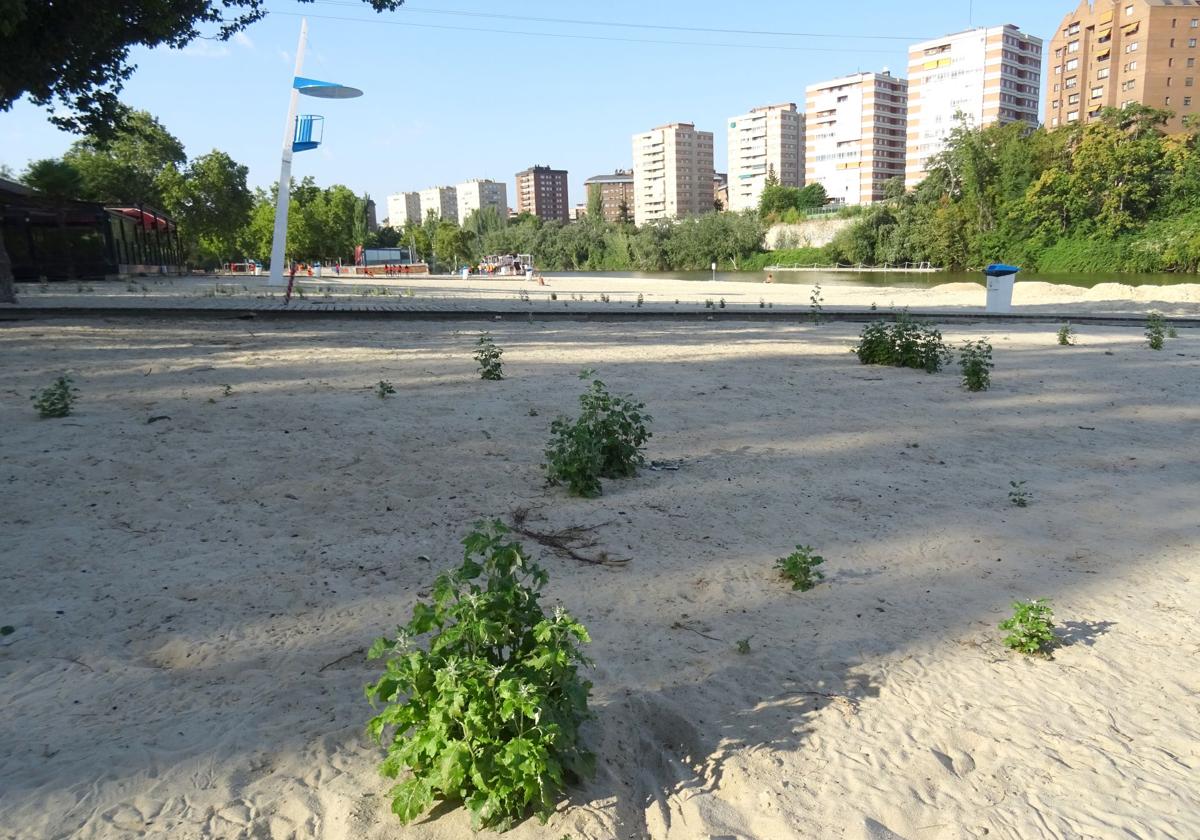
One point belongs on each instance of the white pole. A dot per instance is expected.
(279, 242)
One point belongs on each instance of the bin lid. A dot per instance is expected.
(1000, 270)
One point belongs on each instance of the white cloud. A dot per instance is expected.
(243, 40)
(285, 56)
(201, 48)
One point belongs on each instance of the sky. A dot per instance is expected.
(459, 89)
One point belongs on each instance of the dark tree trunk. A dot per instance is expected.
(8, 292)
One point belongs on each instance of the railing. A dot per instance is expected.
(906, 267)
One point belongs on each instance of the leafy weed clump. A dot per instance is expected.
(384, 389)
(975, 359)
(488, 355)
(57, 399)
(903, 343)
(1018, 495)
(487, 713)
(800, 568)
(1030, 627)
(1156, 330)
(605, 441)
(1066, 335)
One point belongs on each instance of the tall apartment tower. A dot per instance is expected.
(403, 208)
(770, 138)
(672, 173)
(855, 135)
(616, 192)
(989, 75)
(479, 193)
(1118, 52)
(542, 191)
(442, 201)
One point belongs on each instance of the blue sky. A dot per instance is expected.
(446, 104)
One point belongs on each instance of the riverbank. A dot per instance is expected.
(605, 292)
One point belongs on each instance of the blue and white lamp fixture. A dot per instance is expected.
(1000, 281)
(301, 133)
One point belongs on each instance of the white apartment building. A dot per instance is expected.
(854, 138)
(989, 75)
(443, 201)
(768, 139)
(479, 193)
(403, 208)
(672, 173)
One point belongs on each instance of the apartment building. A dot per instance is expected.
(768, 139)
(403, 208)
(721, 190)
(989, 75)
(442, 201)
(672, 173)
(616, 192)
(855, 135)
(1112, 53)
(479, 193)
(542, 191)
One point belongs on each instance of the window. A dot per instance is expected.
(1073, 47)
(1189, 82)
(1187, 102)
(1166, 100)
(1129, 11)
(1073, 99)
(1131, 47)
(1072, 116)
(1169, 81)
(1097, 92)
(1195, 23)
(1072, 64)
(1191, 43)
(1102, 73)
(1170, 62)
(1191, 62)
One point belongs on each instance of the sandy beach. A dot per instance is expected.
(192, 576)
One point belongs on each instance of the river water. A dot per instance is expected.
(891, 278)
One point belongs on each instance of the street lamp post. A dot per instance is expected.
(300, 133)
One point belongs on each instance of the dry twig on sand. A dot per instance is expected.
(565, 541)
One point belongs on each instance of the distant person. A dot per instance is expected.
(770, 278)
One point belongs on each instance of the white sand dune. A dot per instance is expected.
(191, 597)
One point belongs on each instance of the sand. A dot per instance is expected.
(580, 294)
(191, 596)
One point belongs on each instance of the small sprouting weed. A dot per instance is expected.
(1018, 495)
(1066, 335)
(1155, 330)
(554, 296)
(816, 310)
(639, 299)
(523, 295)
(488, 355)
(57, 399)
(743, 645)
(1030, 628)
(1172, 332)
(708, 303)
(721, 303)
(226, 390)
(384, 389)
(975, 359)
(800, 568)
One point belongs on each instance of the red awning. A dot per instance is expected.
(149, 220)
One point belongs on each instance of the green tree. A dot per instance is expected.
(212, 204)
(53, 177)
(595, 202)
(130, 165)
(450, 245)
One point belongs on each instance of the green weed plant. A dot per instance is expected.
(57, 399)
(605, 441)
(488, 355)
(800, 568)
(975, 360)
(486, 709)
(1030, 627)
(903, 343)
